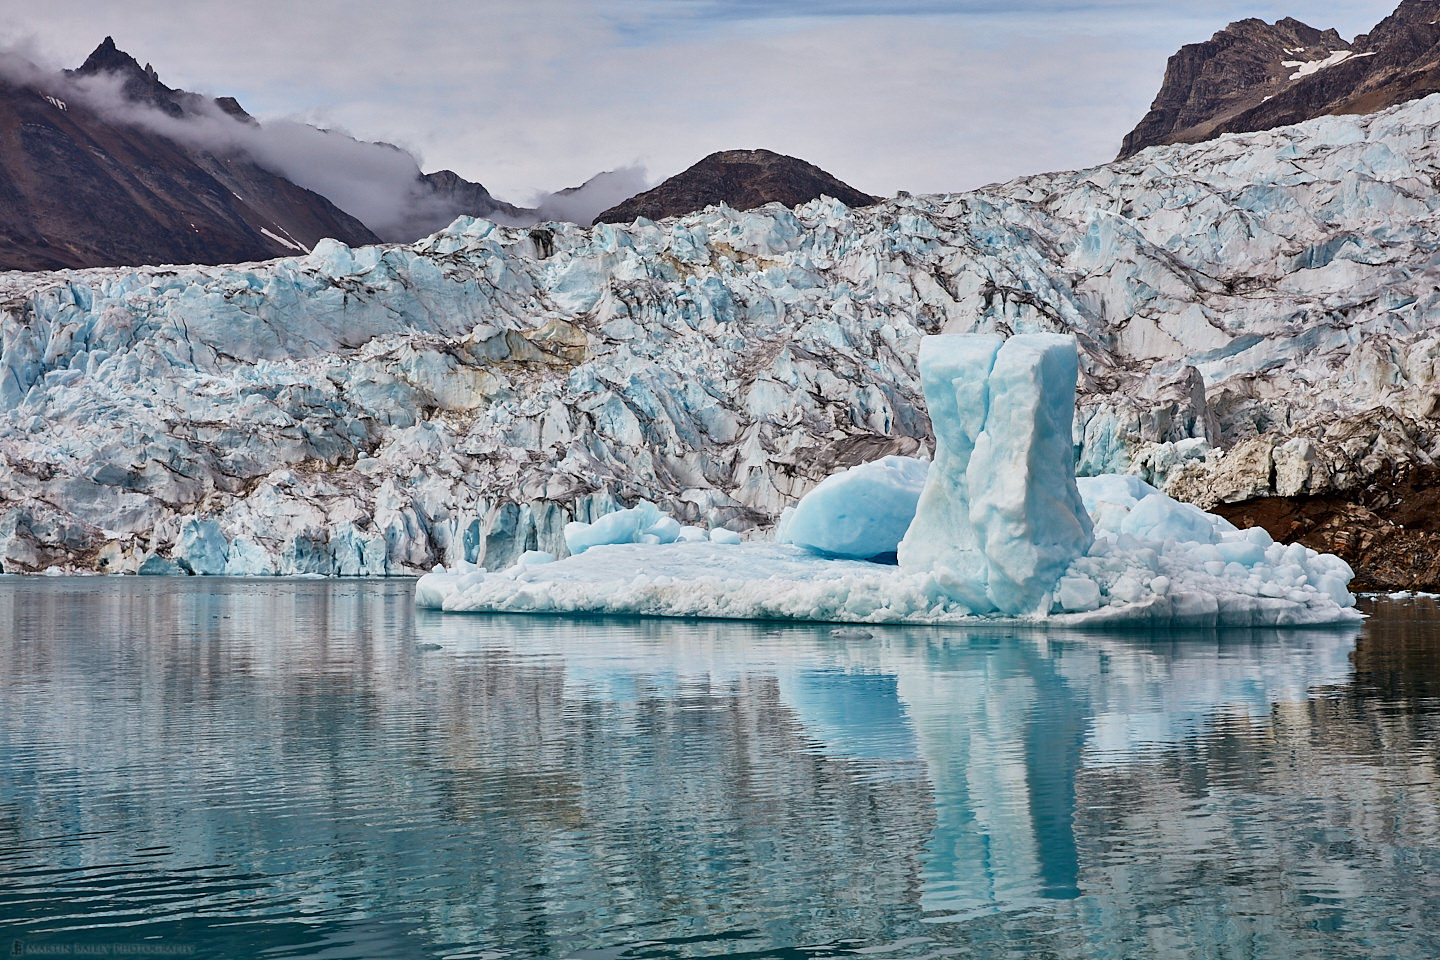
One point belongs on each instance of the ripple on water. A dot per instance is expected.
(316, 769)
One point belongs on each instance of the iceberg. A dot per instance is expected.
(860, 513)
(997, 526)
(1000, 507)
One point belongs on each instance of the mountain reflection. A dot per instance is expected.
(318, 762)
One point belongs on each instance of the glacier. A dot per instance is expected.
(1001, 528)
(1256, 316)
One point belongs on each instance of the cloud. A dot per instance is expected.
(379, 184)
(584, 203)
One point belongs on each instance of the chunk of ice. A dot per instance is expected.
(1000, 507)
(859, 513)
(623, 526)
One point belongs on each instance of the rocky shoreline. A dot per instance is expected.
(1389, 532)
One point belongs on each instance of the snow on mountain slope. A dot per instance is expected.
(378, 410)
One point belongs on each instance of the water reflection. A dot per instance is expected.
(313, 768)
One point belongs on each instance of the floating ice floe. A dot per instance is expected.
(997, 526)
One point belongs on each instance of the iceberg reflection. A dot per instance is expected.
(1004, 720)
(316, 765)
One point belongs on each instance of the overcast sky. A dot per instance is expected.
(533, 95)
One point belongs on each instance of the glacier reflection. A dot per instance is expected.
(317, 765)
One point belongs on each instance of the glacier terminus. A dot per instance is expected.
(1001, 528)
(1254, 317)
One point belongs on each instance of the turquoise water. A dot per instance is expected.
(211, 768)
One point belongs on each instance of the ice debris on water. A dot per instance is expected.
(642, 523)
(1000, 527)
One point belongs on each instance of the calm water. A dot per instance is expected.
(210, 768)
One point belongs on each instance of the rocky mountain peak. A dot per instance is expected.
(1416, 11)
(108, 58)
(1208, 83)
(141, 84)
(741, 179)
(1255, 75)
(1412, 30)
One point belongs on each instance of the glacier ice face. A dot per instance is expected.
(1000, 507)
(202, 548)
(1256, 312)
(1239, 578)
(1028, 528)
(860, 513)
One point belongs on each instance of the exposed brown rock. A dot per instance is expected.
(742, 179)
(1239, 80)
(1389, 532)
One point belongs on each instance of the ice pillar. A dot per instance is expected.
(1000, 509)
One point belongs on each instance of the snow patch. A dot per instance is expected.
(1309, 67)
(285, 241)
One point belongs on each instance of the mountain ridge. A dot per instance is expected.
(1254, 75)
(80, 191)
(106, 165)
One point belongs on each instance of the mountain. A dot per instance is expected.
(1255, 75)
(448, 195)
(80, 189)
(105, 165)
(741, 179)
(1258, 342)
